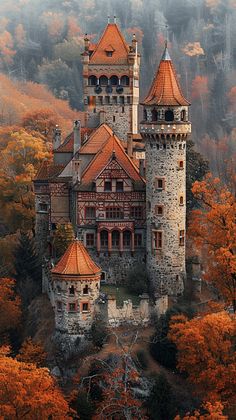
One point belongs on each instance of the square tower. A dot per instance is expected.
(111, 82)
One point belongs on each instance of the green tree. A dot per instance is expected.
(63, 236)
(161, 402)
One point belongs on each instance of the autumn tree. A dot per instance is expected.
(32, 352)
(42, 121)
(206, 352)
(29, 392)
(208, 411)
(62, 238)
(10, 311)
(213, 230)
(20, 159)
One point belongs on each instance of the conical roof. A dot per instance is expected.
(165, 89)
(76, 261)
(113, 41)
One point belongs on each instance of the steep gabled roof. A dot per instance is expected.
(68, 144)
(48, 170)
(112, 147)
(96, 141)
(76, 261)
(111, 38)
(165, 89)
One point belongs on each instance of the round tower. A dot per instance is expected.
(75, 288)
(165, 129)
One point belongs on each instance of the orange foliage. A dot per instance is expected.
(32, 352)
(74, 29)
(232, 98)
(213, 230)
(29, 392)
(206, 353)
(18, 98)
(10, 311)
(43, 121)
(200, 87)
(6, 47)
(214, 412)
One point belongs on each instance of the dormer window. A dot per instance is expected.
(109, 51)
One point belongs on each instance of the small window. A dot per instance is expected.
(89, 239)
(104, 238)
(114, 100)
(154, 115)
(169, 115)
(181, 238)
(85, 307)
(123, 109)
(181, 164)
(103, 276)
(122, 100)
(71, 290)
(159, 210)
(92, 80)
(145, 115)
(103, 81)
(72, 307)
(107, 186)
(85, 290)
(109, 53)
(124, 81)
(59, 306)
(114, 213)
(138, 240)
(43, 207)
(128, 100)
(181, 200)
(107, 100)
(159, 183)
(157, 240)
(136, 212)
(114, 118)
(119, 186)
(90, 212)
(126, 239)
(183, 115)
(100, 100)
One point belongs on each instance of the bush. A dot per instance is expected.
(98, 333)
(137, 282)
(83, 406)
(161, 402)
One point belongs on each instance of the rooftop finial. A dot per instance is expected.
(108, 19)
(114, 19)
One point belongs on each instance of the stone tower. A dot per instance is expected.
(73, 287)
(111, 82)
(165, 129)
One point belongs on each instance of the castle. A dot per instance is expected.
(123, 187)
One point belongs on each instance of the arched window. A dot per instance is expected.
(145, 115)
(104, 238)
(183, 115)
(124, 81)
(127, 239)
(71, 290)
(115, 239)
(154, 115)
(169, 115)
(85, 290)
(92, 80)
(114, 81)
(103, 81)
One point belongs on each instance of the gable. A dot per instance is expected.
(113, 170)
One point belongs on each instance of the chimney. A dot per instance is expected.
(56, 137)
(77, 136)
(86, 42)
(135, 44)
(130, 145)
(141, 167)
(76, 170)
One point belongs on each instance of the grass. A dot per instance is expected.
(121, 294)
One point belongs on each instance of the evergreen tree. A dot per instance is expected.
(28, 270)
(161, 402)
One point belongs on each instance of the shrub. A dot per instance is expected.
(161, 402)
(98, 333)
(142, 359)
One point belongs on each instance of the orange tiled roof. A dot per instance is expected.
(103, 157)
(165, 89)
(76, 261)
(111, 38)
(96, 141)
(48, 170)
(68, 144)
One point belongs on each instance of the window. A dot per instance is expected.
(138, 240)
(104, 238)
(59, 290)
(122, 100)
(183, 115)
(59, 306)
(92, 80)
(154, 115)
(169, 115)
(72, 307)
(145, 115)
(127, 239)
(181, 237)
(90, 212)
(103, 276)
(114, 118)
(124, 81)
(107, 186)
(71, 290)
(159, 183)
(114, 81)
(181, 200)
(109, 53)
(115, 238)
(103, 81)
(114, 100)
(43, 207)
(114, 213)
(119, 186)
(123, 109)
(136, 212)
(128, 100)
(100, 100)
(85, 290)
(85, 307)
(157, 240)
(107, 100)
(181, 164)
(159, 210)
(90, 239)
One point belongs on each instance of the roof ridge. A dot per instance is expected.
(130, 160)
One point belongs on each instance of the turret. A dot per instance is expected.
(165, 129)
